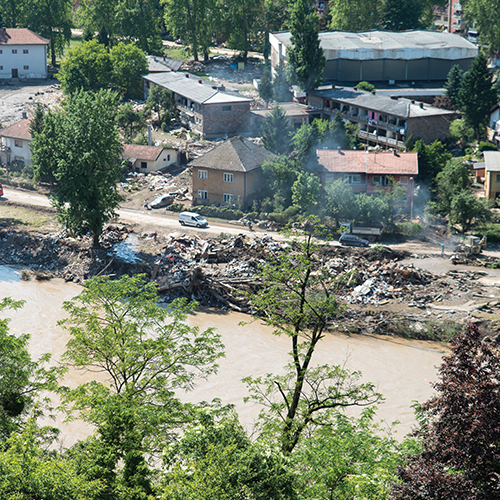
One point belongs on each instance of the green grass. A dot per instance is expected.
(19, 216)
(177, 53)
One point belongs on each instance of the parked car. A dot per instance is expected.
(1, 190)
(219, 57)
(162, 201)
(352, 240)
(178, 41)
(192, 219)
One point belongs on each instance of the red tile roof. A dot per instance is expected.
(337, 160)
(149, 153)
(20, 130)
(21, 36)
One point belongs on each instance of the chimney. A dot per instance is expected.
(187, 76)
(355, 88)
(422, 105)
(413, 101)
(149, 136)
(24, 115)
(373, 92)
(200, 81)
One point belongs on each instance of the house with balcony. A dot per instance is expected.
(492, 174)
(23, 54)
(204, 107)
(493, 129)
(451, 18)
(15, 143)
(384, 121)
(230, 173)
(369, 172)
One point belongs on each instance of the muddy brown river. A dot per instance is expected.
(402, 370)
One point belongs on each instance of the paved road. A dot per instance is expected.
(155, 220)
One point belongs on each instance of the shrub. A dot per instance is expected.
(492, 232)
(486, 146)
(410, 228)
(176, 207)
(219, 212)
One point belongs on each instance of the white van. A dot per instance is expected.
(192, 219)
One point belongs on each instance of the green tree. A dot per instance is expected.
(138, 21)
(306, 191)
(266, 84)
(276, 132)
(21, 379)
(161, 101)
(129, 63)
(87, 67)
(453, 85)
(12, 12)
(52, 19)
(366, 86)
(281, 88)
(216, 459)
(477, 95)
(432, 158)
(306, 59)
(466, 209)
(194, 21)
(339, 201)
(370, 209)
(401, 15)
(282, 172)
(241, 23)
(460, 132)
(296, 300)
(459, 432)
(36, 123)
(356, 15)
(453, 179)
(28, 471)
(129, 121)
(85, 146)
(351, 458)
(276, 16)
(485, 16)
(98, 16)
(146, 353)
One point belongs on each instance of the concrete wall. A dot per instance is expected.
(35, 60)
(166, 158)
(429, 128)
(219, 120)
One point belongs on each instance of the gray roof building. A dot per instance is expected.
(385, 55)
(160, 64)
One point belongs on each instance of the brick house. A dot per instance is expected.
(204, 107)
(15, 143)
(23, 54)
(147, 159)
(368, 172)
(296, 114)
(383, 121)
(230, 173)
(492, 174)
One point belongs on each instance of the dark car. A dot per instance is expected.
(352, 240)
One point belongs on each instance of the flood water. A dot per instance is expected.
(402, 370)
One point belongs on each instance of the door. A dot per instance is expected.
(14, 73)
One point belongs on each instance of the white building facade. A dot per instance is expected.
(23, 54)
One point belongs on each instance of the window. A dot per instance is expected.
(226, 108)
(380, 180)
(26, 67)
(202, 174)
(403, 180)
(14, 51)
(1, 51)
(497, 178)
(144, 165)
(1, 67)
(18, 143)
(228, 177)
(202, 195)
(168, 157)
(353, 178)
(25, 51)
(227, 198)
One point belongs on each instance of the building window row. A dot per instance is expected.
(202, 194)
(228, 177)
(227, 198)
(202, 174)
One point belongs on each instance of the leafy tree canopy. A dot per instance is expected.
(453, 85)
(485, 16)
(357, 15)
(276, 132)
(129, 63)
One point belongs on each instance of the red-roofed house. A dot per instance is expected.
(147, 159)
(15, 143)
(368, 172)
(23, 54)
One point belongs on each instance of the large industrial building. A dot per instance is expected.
(385, 56)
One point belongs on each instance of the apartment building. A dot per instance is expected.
(382, 120)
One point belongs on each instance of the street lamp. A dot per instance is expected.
(411, 199)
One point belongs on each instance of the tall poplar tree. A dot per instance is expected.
(453, 85)
(305, 55)
(477, 95)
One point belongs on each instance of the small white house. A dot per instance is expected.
(147, 159)
(23, 54)
(16, 141)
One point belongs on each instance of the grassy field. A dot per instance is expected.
(11, 216)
